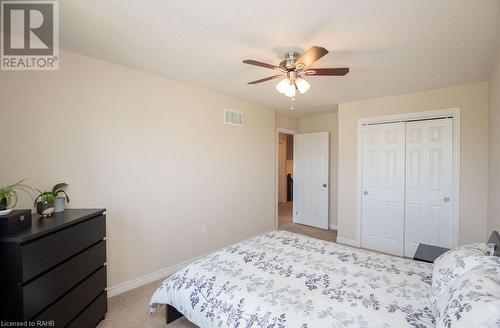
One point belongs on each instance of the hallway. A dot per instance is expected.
(285, 222)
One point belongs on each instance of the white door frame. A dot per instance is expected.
(276, 185)
(450, 112)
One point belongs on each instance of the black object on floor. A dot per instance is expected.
(289, 188)
(428, 253)
(172, 314)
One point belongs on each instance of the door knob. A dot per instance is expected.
(446, 199)
(324, 185)
(365, 193)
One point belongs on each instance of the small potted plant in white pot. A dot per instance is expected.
(8, 196)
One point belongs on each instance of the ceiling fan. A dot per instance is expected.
(294, 66)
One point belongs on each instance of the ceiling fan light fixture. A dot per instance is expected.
(290, 92)
(302, 85)
(293, 66)
(283, 85)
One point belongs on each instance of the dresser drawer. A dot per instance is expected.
(91, 316)
(46, 289)
(42, 254)
(67, 308)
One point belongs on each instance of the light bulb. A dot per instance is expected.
(282, 85)
(302, 85)
(290, 92)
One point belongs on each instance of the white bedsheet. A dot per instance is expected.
(282, 279)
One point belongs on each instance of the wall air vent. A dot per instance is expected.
(233, 117)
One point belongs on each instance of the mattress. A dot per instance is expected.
(282, 279)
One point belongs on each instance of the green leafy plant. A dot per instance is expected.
(44, 197)
(49, 196)
(9, 194)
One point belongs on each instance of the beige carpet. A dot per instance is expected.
(285, 223)
(130, 310)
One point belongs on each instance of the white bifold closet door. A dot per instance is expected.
(429, 176)
(407, 180)
(383, 187)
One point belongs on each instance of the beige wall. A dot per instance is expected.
(286, 121)
(494, 150)
(153, 151)
(326, 122)
(473, 101)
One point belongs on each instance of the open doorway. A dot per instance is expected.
(285, 178)
(286, 167)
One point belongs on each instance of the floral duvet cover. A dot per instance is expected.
(282, 279)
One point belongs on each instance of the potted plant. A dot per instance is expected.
(44, 203)
(8, 196)
(57, 190)
(48, 202)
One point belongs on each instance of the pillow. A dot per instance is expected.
(473, 299)
(453, 264)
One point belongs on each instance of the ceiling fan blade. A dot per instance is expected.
(341, 71)
(312, 55)
(266, 79)
(260, 64)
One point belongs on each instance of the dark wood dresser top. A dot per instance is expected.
(43, 226)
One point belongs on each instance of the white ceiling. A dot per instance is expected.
(391, 46)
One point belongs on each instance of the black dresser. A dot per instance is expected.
(55, 270)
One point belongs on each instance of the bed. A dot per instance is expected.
(281, 279)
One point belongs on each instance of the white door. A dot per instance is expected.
(429, 203)
(383, 184)
(311, 154)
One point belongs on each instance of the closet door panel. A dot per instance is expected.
(383, 187)
(429, 169)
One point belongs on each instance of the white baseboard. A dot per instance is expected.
(348, 242)
(146, 279)
(160, 274)
(333, 226)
